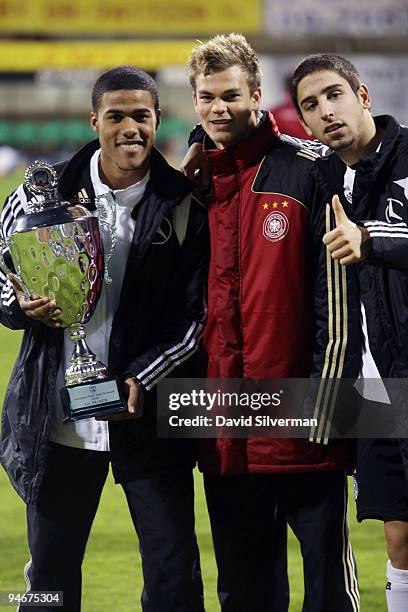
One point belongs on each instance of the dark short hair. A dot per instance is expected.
(319, 62)
(124, 77)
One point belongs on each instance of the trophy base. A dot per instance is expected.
(92, 399)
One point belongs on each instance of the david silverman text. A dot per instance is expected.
(242, 421)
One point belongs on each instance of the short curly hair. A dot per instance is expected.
(123, 77)
(222, 52)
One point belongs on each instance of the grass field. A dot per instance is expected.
(112, 570)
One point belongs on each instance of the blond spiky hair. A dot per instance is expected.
(222, 52)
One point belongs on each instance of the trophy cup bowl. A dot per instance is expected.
(62, 261)
(57, 252)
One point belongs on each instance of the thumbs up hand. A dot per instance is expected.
(347, 240)
(339, 214)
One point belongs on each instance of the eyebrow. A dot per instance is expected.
(324, 90)
(122, 112)
(224, 93)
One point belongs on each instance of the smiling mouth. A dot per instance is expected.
(130, 146)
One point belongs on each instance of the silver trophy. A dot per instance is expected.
(57, 252)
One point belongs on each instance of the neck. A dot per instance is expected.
(244, 136)
(121, 179)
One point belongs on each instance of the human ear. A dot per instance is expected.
(94, 121)
(256, 99)
(194, 95)
(158, 117)
(364, 95)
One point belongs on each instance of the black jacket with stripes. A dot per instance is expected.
(157, 327)
(380, 203)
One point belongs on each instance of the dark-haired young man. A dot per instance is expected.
(266, 225)
(147, 322)
(369, 172)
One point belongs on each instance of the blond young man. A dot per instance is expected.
(266, 264)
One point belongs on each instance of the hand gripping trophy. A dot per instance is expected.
(57, 252)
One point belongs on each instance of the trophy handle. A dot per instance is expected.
(4, 245)
(107, 219)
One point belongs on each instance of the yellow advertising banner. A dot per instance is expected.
(139, 17)
(30, 56)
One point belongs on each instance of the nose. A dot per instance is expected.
(326, 110)
(219, 107)
(130, 126)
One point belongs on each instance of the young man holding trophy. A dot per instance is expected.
(143, 323)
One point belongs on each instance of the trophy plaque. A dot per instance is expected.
(57, 252)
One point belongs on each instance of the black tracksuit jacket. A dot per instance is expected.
(157, 326)
(380, 203)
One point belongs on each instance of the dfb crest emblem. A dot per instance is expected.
(275, 226)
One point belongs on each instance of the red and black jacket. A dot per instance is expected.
(277, 305)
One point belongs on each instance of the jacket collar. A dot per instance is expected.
(74, 174)
(391, 130)
(370, 170)
(375, 160)
(165, 182)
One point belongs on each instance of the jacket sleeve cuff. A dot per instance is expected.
(374, 240)
(168, 359)
(11, 314)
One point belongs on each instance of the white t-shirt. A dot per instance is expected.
(89, 433)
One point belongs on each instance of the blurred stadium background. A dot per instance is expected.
(51, 51)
